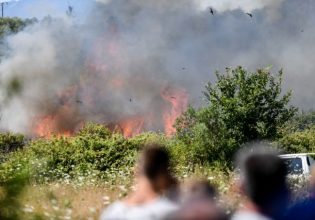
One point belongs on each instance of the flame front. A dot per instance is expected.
(112, 93)
(132, 126)
(178, 99)
(46, 127)
(63, 123)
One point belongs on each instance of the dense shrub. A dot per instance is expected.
(93, 151)
(300, 122)
(10, 142)
(300, 141)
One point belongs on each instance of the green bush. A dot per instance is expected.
(93, 151)
(300, 141)
(9, 143)
(300, 122)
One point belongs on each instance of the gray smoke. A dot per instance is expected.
(117, 63)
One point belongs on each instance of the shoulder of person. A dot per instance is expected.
(247, 215)
(166, 201)
(302, 209)
(166, 204)
(112, 210)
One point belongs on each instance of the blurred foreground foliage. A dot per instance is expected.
(10, 191)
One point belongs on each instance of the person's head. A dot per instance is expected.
(155, 166)
(198, 202)
(199, 210)
(198, 189)
(264, 182)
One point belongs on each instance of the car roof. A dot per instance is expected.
(295, 155)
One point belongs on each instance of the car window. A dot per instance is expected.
(311, 160)
(308, 161)
(294, 165)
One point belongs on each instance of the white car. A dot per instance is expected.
(299, 164)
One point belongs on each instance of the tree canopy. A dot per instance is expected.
(13, 25)
(241, 106)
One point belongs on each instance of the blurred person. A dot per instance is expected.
(263, 182)
(197, 189)
(198, 203)
(153, 183)
(305, 210)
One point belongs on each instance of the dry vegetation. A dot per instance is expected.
(85, 201)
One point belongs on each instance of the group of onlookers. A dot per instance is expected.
(158, 195)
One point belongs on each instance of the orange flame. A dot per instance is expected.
(65, 118)
(61, 122)
(132, 126)
(178, 99)
(47, 127)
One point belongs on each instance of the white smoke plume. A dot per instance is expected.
(244, 5)
(127, 53)
(219, 5)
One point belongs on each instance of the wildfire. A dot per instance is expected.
(178, 99)
(132, 126)
(105, 94)
(64, 121)
(47, 127)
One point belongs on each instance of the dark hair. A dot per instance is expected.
(265, 182)
(201, 189)
(156, 166)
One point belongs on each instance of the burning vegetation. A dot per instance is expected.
(65, 120)
(106, 93)
(130, 64)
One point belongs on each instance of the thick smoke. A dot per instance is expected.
(245, 5)
(117, 63)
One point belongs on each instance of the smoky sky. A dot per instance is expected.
(143, 47)
(180, 34)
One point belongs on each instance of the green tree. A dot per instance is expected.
(298, 135)
(241, 106)
(13, 25)
(299, 141)
(10, 26)
(302, 121)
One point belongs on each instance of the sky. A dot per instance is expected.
(27, 9)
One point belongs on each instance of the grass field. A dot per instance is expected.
(74, 200)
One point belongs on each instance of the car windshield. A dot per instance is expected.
(294, 165)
